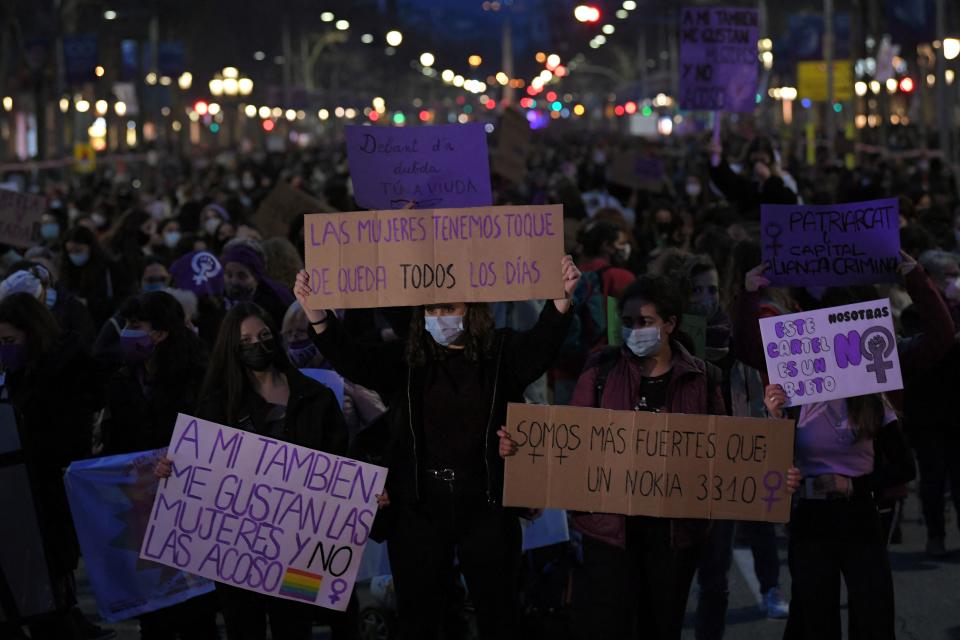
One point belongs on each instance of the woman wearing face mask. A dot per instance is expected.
(251, 385)
(245, 279)
(167, 240)
(91, 275)
(51, 229)
(636, 570)
(449, 384)
(360, 405)
(211, 218)
(50, 382)
(30, 276)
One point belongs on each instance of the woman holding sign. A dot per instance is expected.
(251, 385)
(450, 383)
(637, 570)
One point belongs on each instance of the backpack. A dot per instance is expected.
(588, 329)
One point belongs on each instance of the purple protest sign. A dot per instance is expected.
(718, 58)
(832, 353)
(200, 272)
(261, 514)
(438, 167)
(831, 245)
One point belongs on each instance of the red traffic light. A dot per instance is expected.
(906, 84)
(201, 107)
(586, 13)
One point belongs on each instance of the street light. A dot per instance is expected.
(230, 72)
(343, 25)
(120, 108)
(427, 59)
(185, 80)
(951, 48)
(394, 38)
(216, 86)
(474, 60)
(231, 86)
(586, 13)
(246, 86)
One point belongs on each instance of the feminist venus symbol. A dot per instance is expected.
(771, 498)
(337, 587)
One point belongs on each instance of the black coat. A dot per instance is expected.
(517, 359)
(55, 405)
(746, 195)
(314, 419)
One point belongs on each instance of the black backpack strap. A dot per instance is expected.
(714, 375)
(608, 358)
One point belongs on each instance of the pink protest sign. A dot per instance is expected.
(838, 352)
(262, 514)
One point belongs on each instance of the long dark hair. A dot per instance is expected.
(477, 336)
(181, 351)
(865, 414)
(27, 314)
(226, 372)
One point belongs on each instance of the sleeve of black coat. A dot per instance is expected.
(734, 187)
(374, 366)
(530, 353)
(893, 462)
(336, 438)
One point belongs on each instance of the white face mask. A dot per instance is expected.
(642, 342)
(445, 330)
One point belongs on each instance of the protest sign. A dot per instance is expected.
(550, 527)
(718, 58)
(20, 218)
(110, 499)
(636, 170)
(839, 352)
(431, 167)
(261, 514)
(282, 206)
(653, 464)
(509, 159)
(400, 258)
(328, 378)
(831, 245)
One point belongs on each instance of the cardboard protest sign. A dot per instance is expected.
(432, 167)
(111, 500)
(400, 258)
(262, 514)
(509, 159)
(282, 206)
(839, 352)
(636, 170)
(20, 218)
(653, 464)
(718, 58)
(831, 245)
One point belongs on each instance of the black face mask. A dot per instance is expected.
(258, 356)
(239, 292)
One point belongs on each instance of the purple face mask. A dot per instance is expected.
(302, 353)
(137, 347)
(13, 357)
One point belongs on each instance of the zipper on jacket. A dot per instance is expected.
(493, 406)
(413, 435)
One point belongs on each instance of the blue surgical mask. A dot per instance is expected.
(153, 286)
(50, 230)
(80, 259)
(136, 346)
(51, 298)
(642, 342)
(445, 330)
(171, 239)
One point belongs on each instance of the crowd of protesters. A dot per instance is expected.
(154, 291)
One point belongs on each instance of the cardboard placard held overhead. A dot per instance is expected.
(652, 464)
(509, 159)
(261, 514)
(426, 167)
(413, 257)
(839, 352)
(636, 170)
(831, 245)
(20, 218)
(282, 206)
(718, 58)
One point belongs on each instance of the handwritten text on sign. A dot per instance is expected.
(718, 58)
(428, 167)
(261, 514)
(831, 245)
(838, 352)
(653, 464)
(399, 258)
(20, 218)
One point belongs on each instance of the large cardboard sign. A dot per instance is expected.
(509, 159)
(20, 218)
(831, 245)
(839, 352)
(111, 500)
(410, 257)
(718, 58)
(282, 206)
(653, 464)
(426, 167)
(637, 170)
(262, 514)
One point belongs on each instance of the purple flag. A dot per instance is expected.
(200, 272)
(831, 245)
(718, 58)
(438, 167)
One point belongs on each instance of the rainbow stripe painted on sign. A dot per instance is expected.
(300, 585)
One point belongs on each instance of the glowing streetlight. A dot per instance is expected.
(245, 85)
(427, 59)
(343, 25)
(951, 48)
(120, 108)
(394, 38)
(185, 80)
(474, 60)
(216, 86)
(101, 107)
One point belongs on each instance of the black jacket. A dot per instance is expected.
(517, 359)
(744, 194)
(55, 405)
(314, 419)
